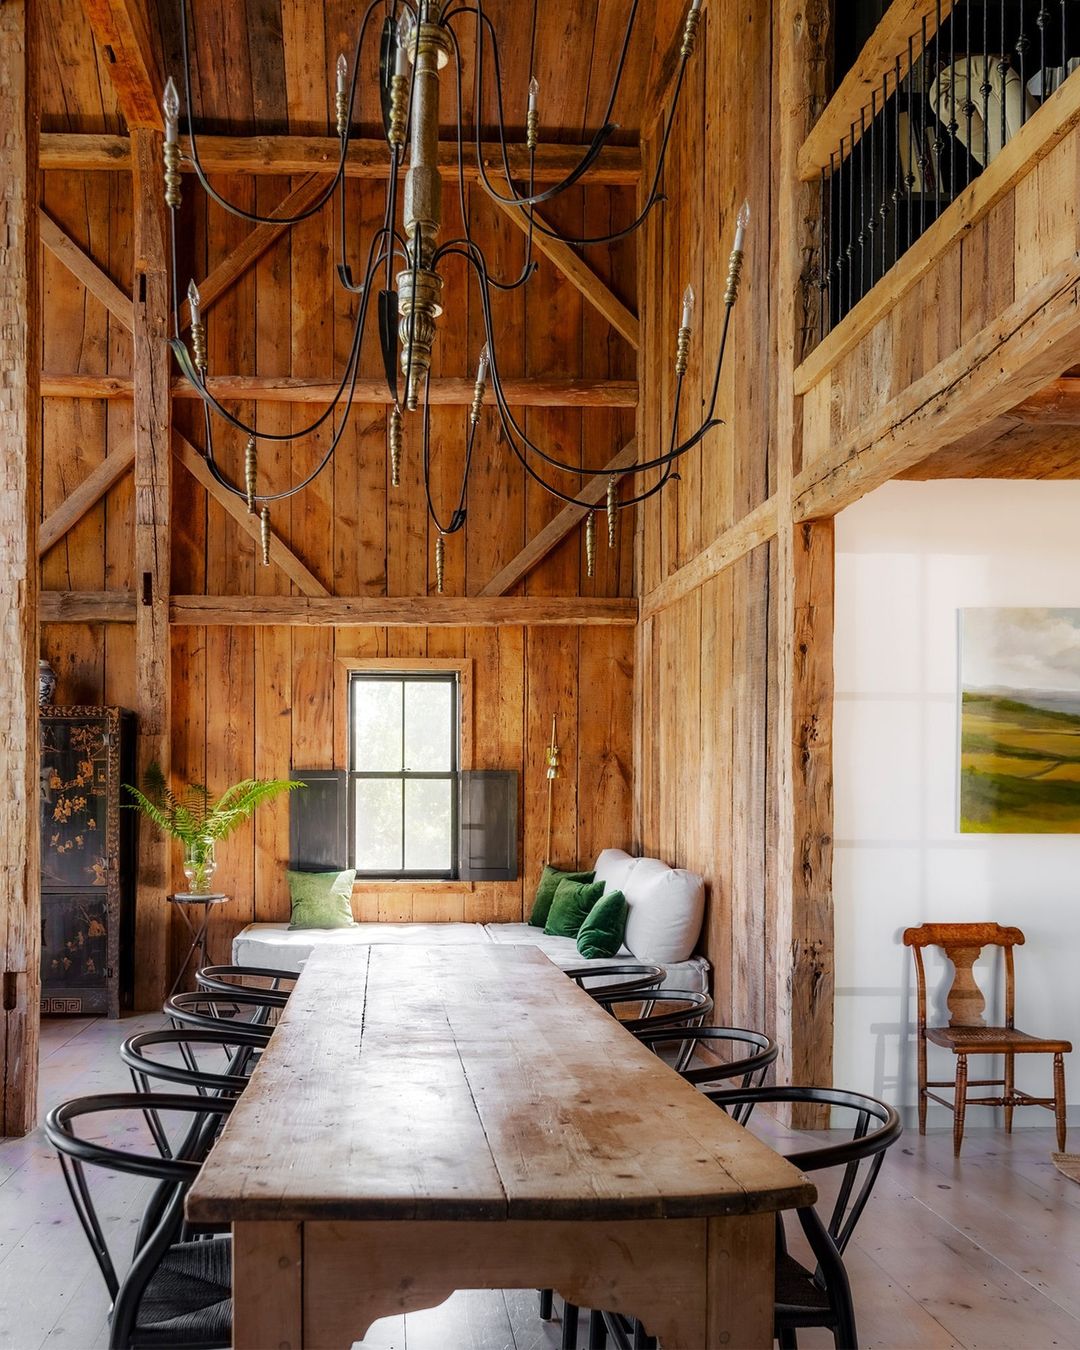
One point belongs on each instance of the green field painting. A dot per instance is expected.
(1020, 721)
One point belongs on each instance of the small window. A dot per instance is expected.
(403, 770)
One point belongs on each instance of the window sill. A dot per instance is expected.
(369, 884)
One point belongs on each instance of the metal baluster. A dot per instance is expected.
(939, 141)
(1064, 38)
(821, 282)
(836, 234)
(969, 102)
(883, 209)
(910, 178)
(1022, 45)
(1041, 20)
(986, 89)
(924, 158)
(862, 201)
(898, 168)
(954, 125)
(851, 222)
(871, 223)
(1003, 70)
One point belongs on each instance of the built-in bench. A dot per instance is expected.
(665, 909)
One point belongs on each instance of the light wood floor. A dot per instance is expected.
(982, 1253)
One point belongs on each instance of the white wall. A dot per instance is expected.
(908, 557)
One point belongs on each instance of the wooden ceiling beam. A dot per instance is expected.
(617, 166)
(84, 269)
(280, 554)
(1057, 405)
(85, 497)
(445, 391)
(423, 611)
(579, 274)
(121, 30)
(556, 530)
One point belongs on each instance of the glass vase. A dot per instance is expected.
(199, 866)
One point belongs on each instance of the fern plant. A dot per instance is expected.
(196, 819)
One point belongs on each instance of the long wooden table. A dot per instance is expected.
(428, 1119)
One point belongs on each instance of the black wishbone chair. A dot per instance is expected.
(175, 1294)
(237, 1047)
(247, 1011)
(658, 1008)
(712, 1056)
(617, 981)
(229, 980)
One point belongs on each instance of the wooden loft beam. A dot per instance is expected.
(153, 509)
(86, 607)
(365, 611)
(889, 40)
(20, 434)
(579, 274)
(305, 580)
(424, 611)
(1009, 360)
(556, 530)
(121, 30)
(446, 391)
(1055, 405)
(618, 165)
(84, 498)
(83, 267)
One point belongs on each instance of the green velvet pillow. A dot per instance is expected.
(602, 932)
(321, 899)
(571, 906)
(545, 892)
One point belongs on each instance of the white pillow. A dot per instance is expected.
(613, 867)
(665, 908)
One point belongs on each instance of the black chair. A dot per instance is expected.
(661, 1008)
(617, 981)
(703, 1056)
(248, 1011)
(175, 1294)
(805, 1298)
(237, 1045)
(229, 980)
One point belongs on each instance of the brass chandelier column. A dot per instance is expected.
(419, 285)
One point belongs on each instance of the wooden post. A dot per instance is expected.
(153, 461)
(20, 897)
(800, 729)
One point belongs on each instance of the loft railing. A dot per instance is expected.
(925, 116)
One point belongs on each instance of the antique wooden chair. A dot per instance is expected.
(967, 1032)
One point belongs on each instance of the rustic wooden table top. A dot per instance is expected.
(471, 1083)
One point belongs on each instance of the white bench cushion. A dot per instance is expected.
(692, 974)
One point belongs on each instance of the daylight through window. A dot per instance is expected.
(404, 760)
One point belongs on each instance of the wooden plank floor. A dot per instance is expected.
(983, 1253)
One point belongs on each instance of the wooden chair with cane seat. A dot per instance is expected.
(967, 1032)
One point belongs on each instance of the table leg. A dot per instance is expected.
(267, 1289)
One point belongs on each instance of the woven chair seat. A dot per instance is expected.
(188, 1301)
(797, 1290)
(994, 1041)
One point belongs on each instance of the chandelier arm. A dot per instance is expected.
(253, 216)
(457, 517)
(183, 360)
(451, 246)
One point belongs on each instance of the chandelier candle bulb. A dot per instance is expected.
(395, 447)
(612, 510)
(264, 535)
(198, 328)
(440, 562)
(479, 387)
(170, 106)
(590, 543)
(251, 472)
(741, 222)
(735, 262)
(341, 99)
(682, 344)
(532, 114)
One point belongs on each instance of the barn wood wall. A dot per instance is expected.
(252, 701)
(706, 664)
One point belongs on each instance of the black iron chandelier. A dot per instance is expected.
(419, 39)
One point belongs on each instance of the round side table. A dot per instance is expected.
(198, 935)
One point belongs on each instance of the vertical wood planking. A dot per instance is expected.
(153, 468)
(20, 899)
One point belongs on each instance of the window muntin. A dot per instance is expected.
(404, 761)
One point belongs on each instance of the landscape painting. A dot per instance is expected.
(1020, 721)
